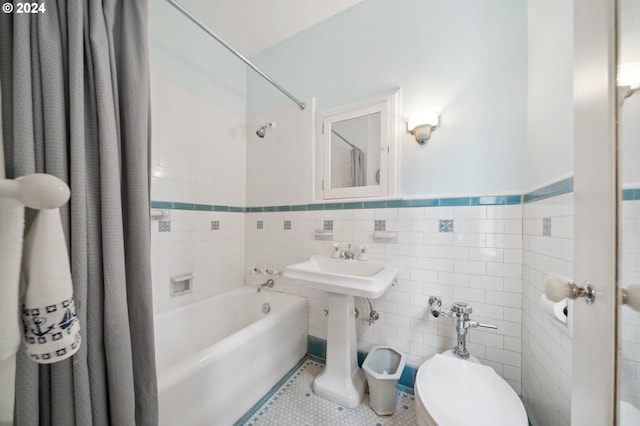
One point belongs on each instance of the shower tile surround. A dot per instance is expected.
(206, 238)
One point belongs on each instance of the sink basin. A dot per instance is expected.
(370, 278)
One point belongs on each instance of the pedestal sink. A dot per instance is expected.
(342, 381)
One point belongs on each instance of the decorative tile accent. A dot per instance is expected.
(215, 225)
(164, 226)
(546, 226)
(260, 224)
(445, 225)
(287, 225)
(327, 225)
(380, 225)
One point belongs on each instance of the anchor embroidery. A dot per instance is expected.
(39, 321)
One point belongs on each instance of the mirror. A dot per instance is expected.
(629, 209)
(356, 149)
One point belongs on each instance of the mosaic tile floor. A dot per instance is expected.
(294, 403)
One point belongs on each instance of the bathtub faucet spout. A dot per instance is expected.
(269, 283)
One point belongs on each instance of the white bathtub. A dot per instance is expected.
(216, 358)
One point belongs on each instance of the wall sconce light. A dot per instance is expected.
(421, 125)
(628, 80)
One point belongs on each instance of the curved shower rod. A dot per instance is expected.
(195, 20)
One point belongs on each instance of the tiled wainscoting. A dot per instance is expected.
(546, 344)
(476, 258)
(492, 252)
(209, 244)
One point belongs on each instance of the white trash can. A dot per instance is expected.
(383, 367)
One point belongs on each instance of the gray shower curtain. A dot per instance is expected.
(75, 104)
(358, 167)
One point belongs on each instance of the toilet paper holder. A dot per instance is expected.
(631, 296)
(557, 288)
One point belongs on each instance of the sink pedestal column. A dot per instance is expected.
(341, 381)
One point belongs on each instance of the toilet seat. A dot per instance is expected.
(451, 391)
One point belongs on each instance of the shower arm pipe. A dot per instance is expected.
(195, 20)
(346, 141)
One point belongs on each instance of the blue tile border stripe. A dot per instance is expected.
(175, 205)
(561, 187)
(631, 194)
(352, 205)
(399, 203)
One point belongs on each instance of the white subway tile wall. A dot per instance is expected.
(630, 320)
(216, 258)
(546, 344)
(196, 146)
(480, 262)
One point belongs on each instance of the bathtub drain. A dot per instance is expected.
(266, 308)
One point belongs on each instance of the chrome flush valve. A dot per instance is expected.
(460, 312)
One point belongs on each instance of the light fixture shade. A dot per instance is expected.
(629, 75)
(430, 117)
(422, 124)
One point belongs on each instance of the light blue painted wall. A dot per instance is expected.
(550, 92)
(185, 54)
(466, 58)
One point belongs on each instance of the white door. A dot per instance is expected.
(592, 398)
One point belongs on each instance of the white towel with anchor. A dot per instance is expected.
(51, 328)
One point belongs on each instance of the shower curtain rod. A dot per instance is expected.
(346, 141)
(195, 20)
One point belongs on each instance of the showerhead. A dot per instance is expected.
(262, 130)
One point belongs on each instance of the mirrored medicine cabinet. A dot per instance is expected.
(357, 149)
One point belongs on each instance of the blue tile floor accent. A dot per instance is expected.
(317, 347)
(293, 402)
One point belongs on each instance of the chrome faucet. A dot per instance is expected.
(269, 283)
(347, 254)
(460, 312)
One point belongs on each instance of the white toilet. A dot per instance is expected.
(457, 392)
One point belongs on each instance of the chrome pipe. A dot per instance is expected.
(195, 20)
